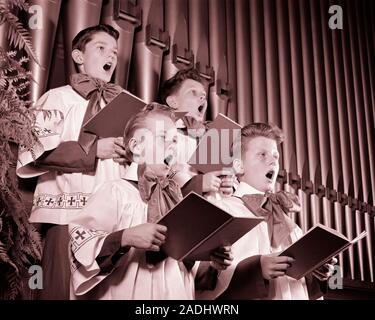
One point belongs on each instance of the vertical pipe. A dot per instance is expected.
(258, 65)
(220, 91)
(77, 15)
(4, 43)
(342, 111)
(198, 39)
(351, 76)
(150, 44)
(344, 97)
(371, 45)
(370, 127)
(360, 109)
(271, 62)
(58, 65)
(321, 108)
(232, 111)
(176, 23)
(41, 40)
(125, 17)
(298, 105)
(244, 84)
(285, 84)
(310, 103)
(332, 115)
(298, 89)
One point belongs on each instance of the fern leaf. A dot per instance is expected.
(20, 4)
(19, 36)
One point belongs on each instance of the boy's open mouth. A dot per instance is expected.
(107, 66)
(201, 108)
(270, 174)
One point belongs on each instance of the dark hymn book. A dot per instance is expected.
(213, 150)
(111, 120)
(196, 227)
(317, 247)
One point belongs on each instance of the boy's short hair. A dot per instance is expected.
(137, 122)
(172, 85)
(84, 36)
(253, 130)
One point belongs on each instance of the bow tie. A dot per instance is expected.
(95, 90)
(274, 207)
(161, 194)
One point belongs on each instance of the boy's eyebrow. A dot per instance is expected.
(102, 42)
(265, 149)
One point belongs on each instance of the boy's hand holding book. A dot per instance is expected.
(221, 258)
(147, 236)
(274, 266)
(110, 148)
(215, 181)
(326, 271)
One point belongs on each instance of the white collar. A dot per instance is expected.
(243, 188)
(132, 172)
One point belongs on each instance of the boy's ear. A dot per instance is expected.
(238, 166)
(135, 148)
(77, 56)
(171, 101)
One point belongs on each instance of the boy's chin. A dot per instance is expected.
(160, 170)
(269, 188)
(104, 77)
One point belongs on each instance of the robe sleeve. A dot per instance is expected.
(50, 111)
(194, 184)
(206, 276)
(88, 233)
(111, 252)
(68, 157)
(315, 287)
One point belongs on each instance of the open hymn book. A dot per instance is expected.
(317, 247)
(196, 227)
(111, 120)
(213, 152)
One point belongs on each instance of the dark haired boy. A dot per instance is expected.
(186, 92)
(71, 163)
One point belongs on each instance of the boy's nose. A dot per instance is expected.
(172, 147)
(112, 55)
(271, 161)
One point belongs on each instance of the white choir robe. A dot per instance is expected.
(256, 242)
(60, 196)
(115, 206)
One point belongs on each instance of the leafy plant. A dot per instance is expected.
(19, 242)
